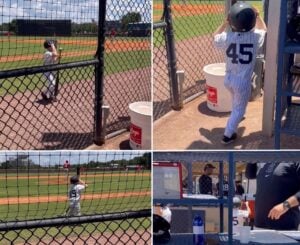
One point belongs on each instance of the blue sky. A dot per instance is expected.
(46, 158)
(76, 10)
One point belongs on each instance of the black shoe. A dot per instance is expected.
(226, 140)
(44, 96)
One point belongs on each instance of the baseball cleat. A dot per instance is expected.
(227, 140)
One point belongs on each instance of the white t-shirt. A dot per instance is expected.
(49, 58)
(241, 50)
(74, 194)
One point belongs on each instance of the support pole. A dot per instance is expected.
(170, 44)
(99, 75)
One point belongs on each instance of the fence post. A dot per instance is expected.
(180, 80)
(171, 55)
(99, 75)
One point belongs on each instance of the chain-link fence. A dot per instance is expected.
(55, 66)
(128, 51)
(75, 197)
(131, 228)
(193, 25)
(161, 91)
(28, 121)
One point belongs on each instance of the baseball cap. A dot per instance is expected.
(208, 165)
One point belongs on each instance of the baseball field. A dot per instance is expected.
(192, 18)
(37, 196)
(18, 52)
(127, 78)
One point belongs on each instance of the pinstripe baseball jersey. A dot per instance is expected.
(241, 49)
(74, 194)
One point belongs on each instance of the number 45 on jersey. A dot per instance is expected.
(245, 49)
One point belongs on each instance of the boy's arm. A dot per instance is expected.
(260, 24)
(54, 52)
(221, 28)
(82, 183)
(220, 36)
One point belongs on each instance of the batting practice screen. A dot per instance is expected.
(43, 27)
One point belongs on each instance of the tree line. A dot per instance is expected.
(22, 162)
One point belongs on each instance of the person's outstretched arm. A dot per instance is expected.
(277, 211)
(294, 201)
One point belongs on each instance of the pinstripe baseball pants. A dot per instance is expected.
(240, 91)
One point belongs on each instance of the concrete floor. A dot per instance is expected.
(197, 127)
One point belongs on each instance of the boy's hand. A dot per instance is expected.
(256, 11)
(83, 183)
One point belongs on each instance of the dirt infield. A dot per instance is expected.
(110, 46)
(70, 125)
(46, 199)
(181, 10)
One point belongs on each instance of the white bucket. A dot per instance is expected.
(218, 97)
(140, 127)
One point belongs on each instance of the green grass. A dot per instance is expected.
(125, 61)
(114, 63)
(99, 184)
(186, 27)
(57, 209)
(103, 182)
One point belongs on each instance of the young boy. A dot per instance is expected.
(241, 44)
(50, 58)
(77, 185)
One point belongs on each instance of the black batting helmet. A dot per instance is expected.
(242, 17)
(47, 43)
(74, 180)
